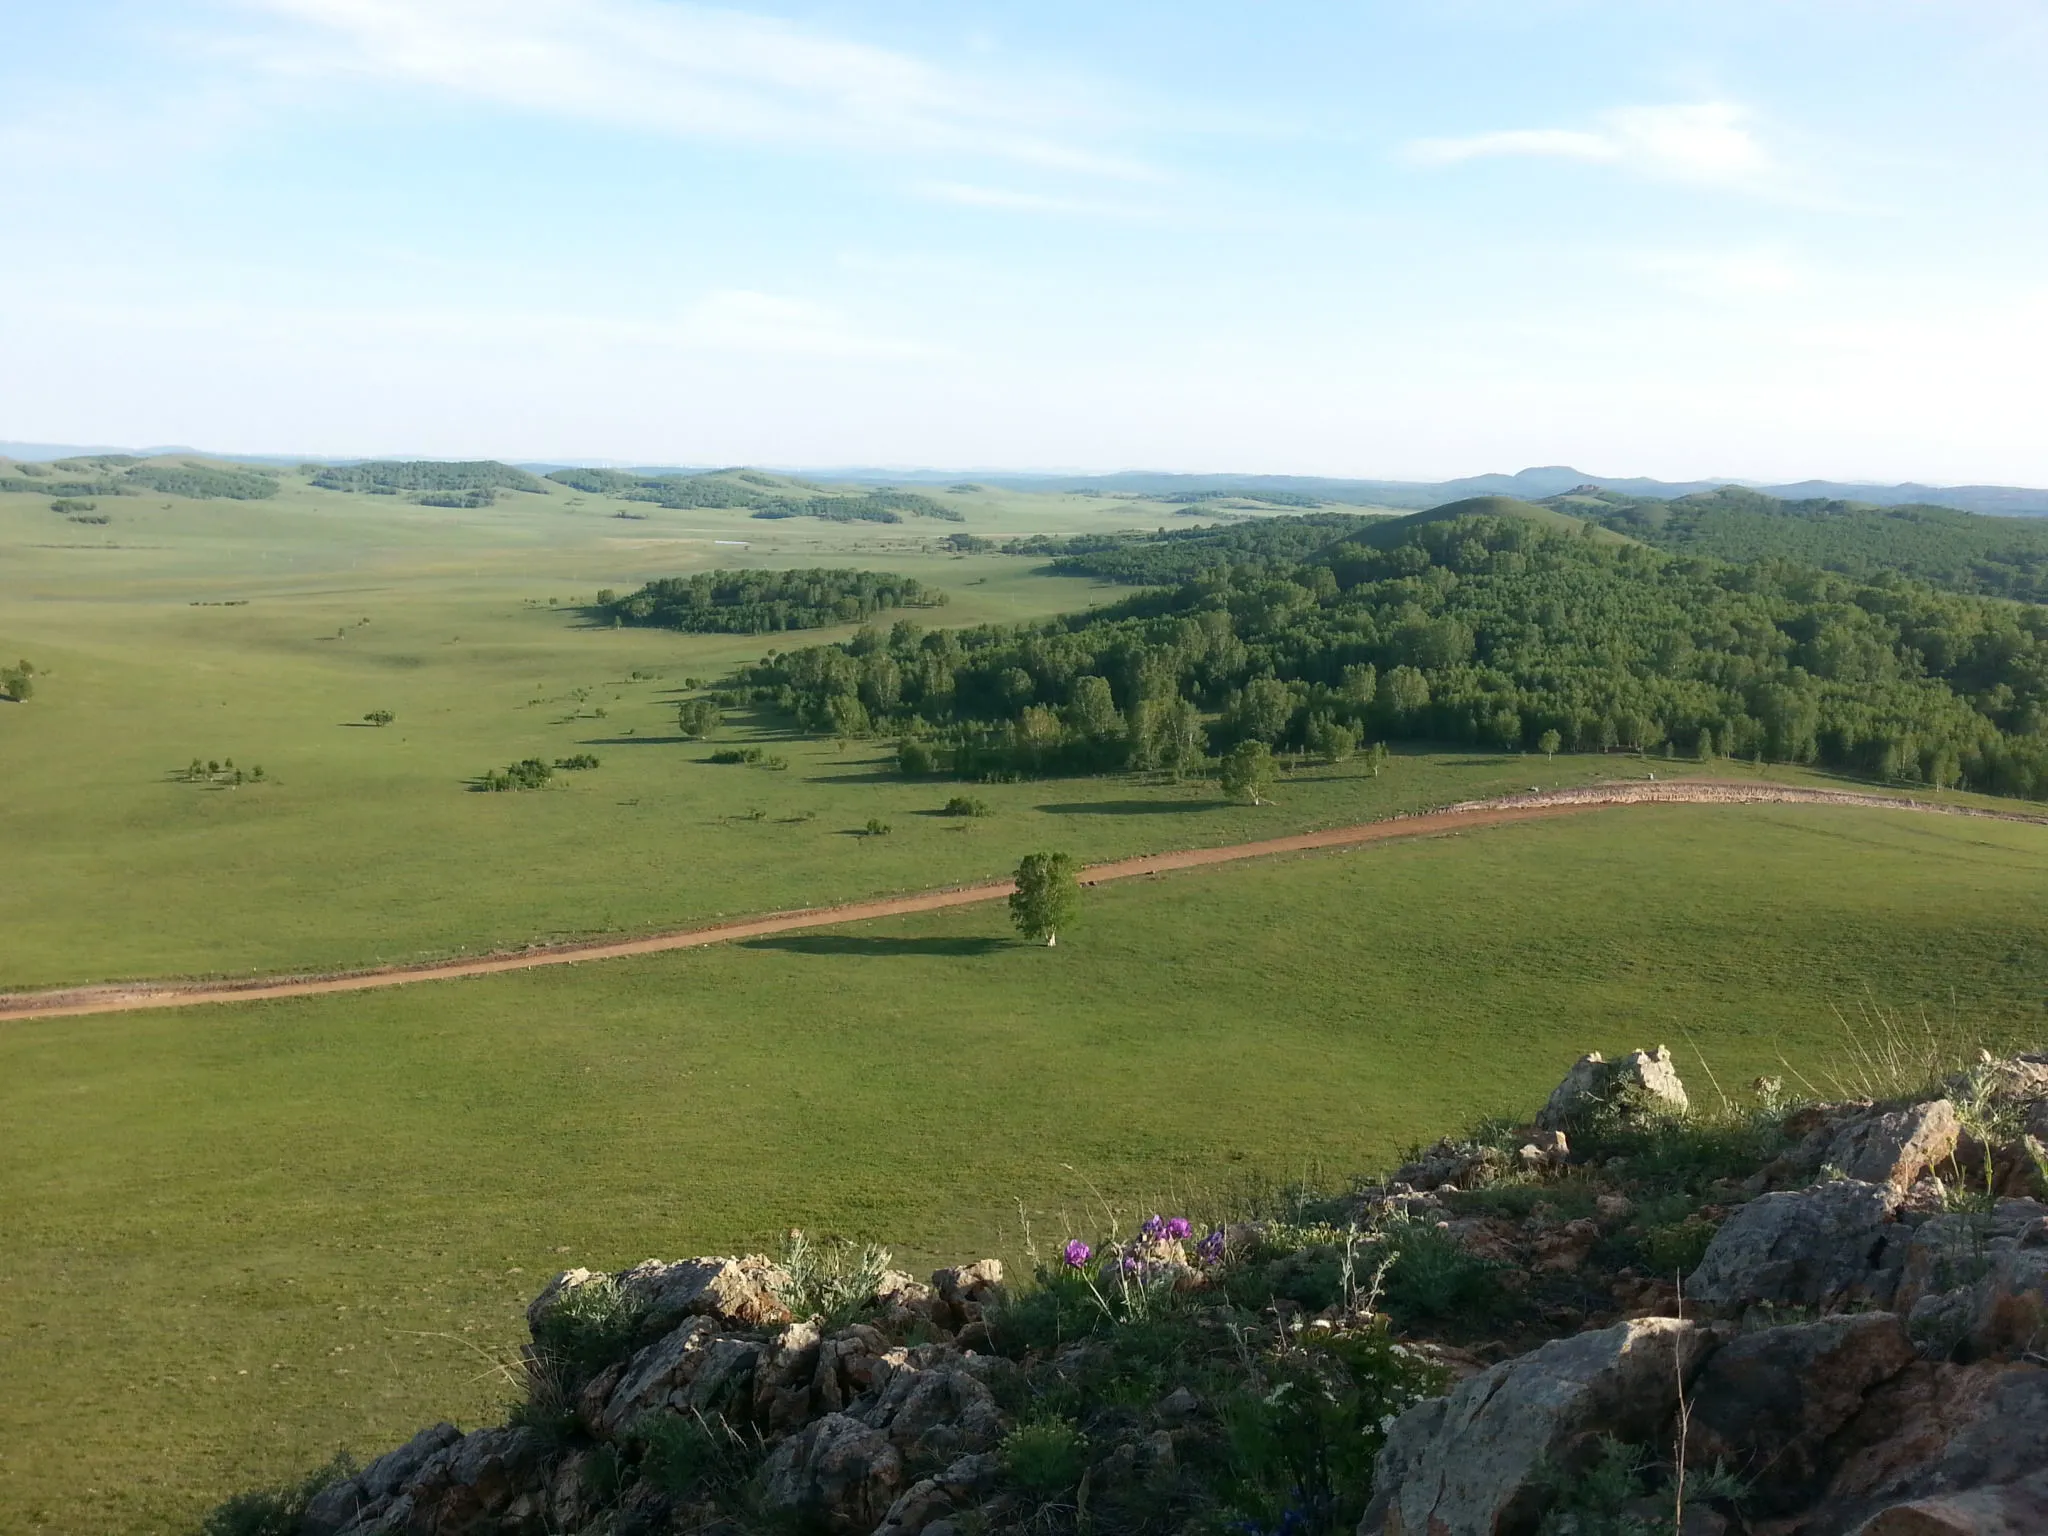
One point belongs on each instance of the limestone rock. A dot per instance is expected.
(1809, 1248)
(970, 1291)
(932, 1499)
(1478, 1461)
(1766, 1403)
(1895, 1148)
(558, 1289)
(738, 1293)
(1641, 1082)
(691, 1367)
(941, 1410)
(1564, 1249)
(837, 1472)
(354, 1500)
(491, 1482)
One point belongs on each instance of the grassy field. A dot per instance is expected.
(239, 1238)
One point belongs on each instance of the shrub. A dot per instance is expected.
(580, 761)
(916, 759)
(747, 755)
(835, 1284)
(965, 805)
(527, 773)
(876, 827)
(379, 717)
(1045, 1457)
(18, 681)
(273, 1511)
(695, 1453)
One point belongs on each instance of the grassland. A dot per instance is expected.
(239, 1238)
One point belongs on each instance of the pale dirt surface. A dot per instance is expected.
(1455, 818)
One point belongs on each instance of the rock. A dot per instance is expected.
(1641, 1083)
(352, 1501)
(1809, 1248)
(1563, 1250)
(1935, 1431)
(649, 1379)
(1766, 1403)
(1895, 1148)
(941, 1410)
(1481, 1460)
(1544, 1149)
(1178, 1405)
(1975, 1284)
(492, 1482)
(970, 1290)
(930, 1500)
(2009, 1509)
(1614, 1208)
(1453, 1165)
(1486, 1237)
(558, 1289)
(738, 1293)
(836, 1472)
(903, 1300)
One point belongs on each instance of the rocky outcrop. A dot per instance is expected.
(1859, 1346)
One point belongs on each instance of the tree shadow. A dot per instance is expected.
(1133, 807)
(850, 944)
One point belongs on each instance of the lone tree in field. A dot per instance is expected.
(697, 718)
(1548, 743)
(1047, 897)
(379, 717)
(1248, 771)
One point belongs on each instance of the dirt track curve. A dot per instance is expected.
(1455, 818)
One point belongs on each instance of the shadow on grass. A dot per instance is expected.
(850, 944)
(1133, 807)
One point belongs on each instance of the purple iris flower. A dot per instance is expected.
(1078, 1253)
(1210, 1249)
(1178, 1228)
(1153, 1229)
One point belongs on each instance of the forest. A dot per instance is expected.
(1488, 631)
(764, 602)
(1960, 551)
(115, 474)
(393, 477)
(769, 496)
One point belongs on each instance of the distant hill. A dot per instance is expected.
(126, 474)
(765, 495)
(1388, 532)
(1959, 551)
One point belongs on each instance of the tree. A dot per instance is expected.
(18, 682)
(1548, 743)
(379, 717)
(1175, 732)
(1377, 757)
(1247, 770)
(697, 718)
(914, 758)
(1047, 898)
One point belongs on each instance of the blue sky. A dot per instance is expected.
(1758, 238)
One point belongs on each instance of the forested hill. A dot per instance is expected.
(765, 495)
(1493, 631)
(1962, 551)
(121, 474)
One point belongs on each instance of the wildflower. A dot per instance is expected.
(1210, 1249)
(1153, 1229)
(1078, 1253)
(1177, 1227)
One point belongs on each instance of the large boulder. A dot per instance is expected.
(837, 1473)
(1766, 1403)
(351, 1502)
(941, 1410)
(1814, 1247)
(1897, 1146)
(738, 1293)
(1481, 1461)
(1975, 1283)
(1640, 1084)
(2008, 1509)
(931, 1499)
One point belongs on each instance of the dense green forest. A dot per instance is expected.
(393, 477)
(120, 474)
(762, 602)
(1961, 551)
(1493, 631)
(769, 496)
(1179, 554)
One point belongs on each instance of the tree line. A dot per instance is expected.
(1484, 631)
(763, 602)
(393, 477)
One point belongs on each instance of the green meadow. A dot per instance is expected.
(240, 1238)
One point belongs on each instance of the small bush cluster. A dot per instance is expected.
(577, 763)
(965, 805)
(527, 773)
(749, 757)
(18, 682)
(220, 770)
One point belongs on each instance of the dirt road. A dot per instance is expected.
(1455, 818)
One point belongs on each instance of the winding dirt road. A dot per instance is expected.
(1455, 818)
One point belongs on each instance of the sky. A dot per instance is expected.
(1766, 239)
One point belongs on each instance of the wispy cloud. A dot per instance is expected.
(1708, 141)
(681, 69)
(1732, 276)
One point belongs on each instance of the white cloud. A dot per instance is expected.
(1732, 276)
(1707, 141)
(679, 69)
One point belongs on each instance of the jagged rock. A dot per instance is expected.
(837, 1472)
(937, 1410)
(1975, 1284)
(1642, 1081)
(1809, 1248)
(739, 1293)
(2016, 1169)
(487, 1483)
(354, 1500)
(1453, 1165)
(1895, 1148)
(783, 1378)
(558, 1289)
(2010, 1509)
(1935, 1431)
(1480, 1461)
(903, 1300)
(1492, 1238)
(1765, 1404)
(691, 1367)
(932, 1499)
(969, 1291)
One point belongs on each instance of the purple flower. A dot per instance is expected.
(1153, 1229)
(1131, 1265)
(1178, 1228)
(1210, 1249)
(1078, 1253)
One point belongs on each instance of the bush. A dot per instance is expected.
(379, 717)
(876, 827)
(527, 773)
(695, 1453)
(748, 755)
(835, 1284)
(965, 805)
(576, 764)
(916, 759)
(1045, 1457)
(273, 1511)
